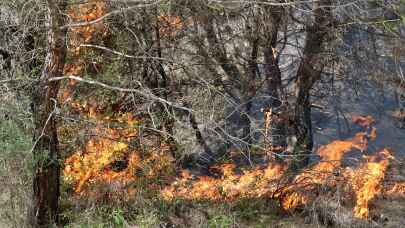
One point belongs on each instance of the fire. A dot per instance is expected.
(364, 121)
(108, 145)
(397, 189)
(365, 180)
(86, 165)
(109, 156)
(95, 162)
(88, 11)
(229, 187)
(169, 25)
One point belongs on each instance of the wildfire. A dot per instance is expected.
(229, 187)
(398, 188)
(108, 157)
(365, 180)
(107, 145)
(169, 25)
(88, 11)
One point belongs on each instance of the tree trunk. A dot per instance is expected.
(277, 131)
(164, 89)
(44, 98)
(308, 73)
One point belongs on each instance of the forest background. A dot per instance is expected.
(181, 113)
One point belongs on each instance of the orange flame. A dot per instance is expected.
(397, 189)
(169, 25)
(366, 180)
(93, 164)
(89, 11)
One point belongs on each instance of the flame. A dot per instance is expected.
(365, 180)
(88, 11)
(169, 25)
(229, 187)
(82, 167)
(396, 189)
(94, 163)
(260, 182)
(364, 121)
(107, 145)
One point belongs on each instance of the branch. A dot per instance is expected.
(85, 23)
(123, 54)
(126, 90)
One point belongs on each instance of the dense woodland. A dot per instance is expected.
(202, 113)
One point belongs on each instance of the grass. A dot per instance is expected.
(146, 212)
(15, 174)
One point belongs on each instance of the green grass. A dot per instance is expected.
(15, 174)
(13, 139)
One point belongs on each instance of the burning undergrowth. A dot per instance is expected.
(111, 158)
(111, 154)
(358, 184)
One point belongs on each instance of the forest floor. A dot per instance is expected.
(146, 210)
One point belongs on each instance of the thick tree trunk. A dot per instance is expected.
(303, 126)
(44, 98)
(308, 73)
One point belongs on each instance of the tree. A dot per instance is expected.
(45, 108)
(309, 72)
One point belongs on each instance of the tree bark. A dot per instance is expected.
(308, 73)
(44, 103)
(277, 136)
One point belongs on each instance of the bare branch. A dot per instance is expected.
(85, 23)
(123, 54)
(148, 95)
